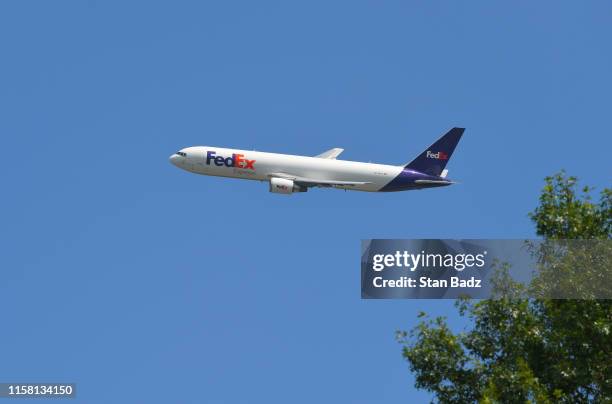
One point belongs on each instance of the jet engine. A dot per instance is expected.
(285, 186)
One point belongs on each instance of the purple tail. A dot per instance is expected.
(433, 160)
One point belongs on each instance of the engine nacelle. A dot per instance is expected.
(285, 186)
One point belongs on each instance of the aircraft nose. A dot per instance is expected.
(175, 159)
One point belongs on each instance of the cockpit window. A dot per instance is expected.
(180, 153)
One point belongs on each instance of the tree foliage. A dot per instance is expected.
(525, 350)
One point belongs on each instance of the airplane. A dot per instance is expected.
(287, 174)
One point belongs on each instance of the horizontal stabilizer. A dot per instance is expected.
(433, 182)
(330, 154)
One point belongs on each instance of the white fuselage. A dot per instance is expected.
(254, 165)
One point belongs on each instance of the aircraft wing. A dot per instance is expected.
(313, 182)
(330, 154)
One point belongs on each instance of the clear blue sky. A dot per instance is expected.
(145, 284)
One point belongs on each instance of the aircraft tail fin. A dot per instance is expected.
(433, 160)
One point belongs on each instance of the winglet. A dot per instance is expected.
(330, 154)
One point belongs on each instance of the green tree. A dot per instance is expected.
(525, 350)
